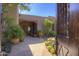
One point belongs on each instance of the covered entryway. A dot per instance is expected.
(29, 27)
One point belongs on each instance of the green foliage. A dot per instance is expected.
(50, 45)
(47, 22)
(48, 27)
(9, 21)
(14, 32)
(23, 6)
(52, 50)
(51, 33)
(47, 43)
(3, 9)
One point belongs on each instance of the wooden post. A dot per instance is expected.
(0, 29)
(62, 23)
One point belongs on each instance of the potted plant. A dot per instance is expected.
(14, 34)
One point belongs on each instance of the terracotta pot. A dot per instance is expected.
(15, 41)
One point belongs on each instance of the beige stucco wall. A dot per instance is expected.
(13, 11)
(37, 19)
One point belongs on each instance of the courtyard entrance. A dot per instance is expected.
(29, 27)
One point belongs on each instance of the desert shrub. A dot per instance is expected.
(50, 44)
(52, 51)
(47, 43)
(49, 47)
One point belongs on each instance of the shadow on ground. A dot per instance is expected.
(27, 47)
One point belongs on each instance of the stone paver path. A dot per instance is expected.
(30, 47)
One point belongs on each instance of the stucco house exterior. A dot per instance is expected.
(34, 22)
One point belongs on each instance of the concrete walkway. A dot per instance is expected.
(30, 47)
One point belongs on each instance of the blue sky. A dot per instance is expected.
(41, 9)
(74, 6)
(46, 9)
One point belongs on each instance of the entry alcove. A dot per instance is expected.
(29, 27)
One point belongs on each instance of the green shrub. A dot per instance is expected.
(49, 47)
(47, 43)
(14, 32)
(12, 29)
(39, 33)
(52, 51)
(51, 33)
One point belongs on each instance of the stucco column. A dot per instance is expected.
(13, 12)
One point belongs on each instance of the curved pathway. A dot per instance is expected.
(32, 46)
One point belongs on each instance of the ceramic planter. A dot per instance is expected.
(15, 41)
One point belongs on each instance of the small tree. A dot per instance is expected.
(48, 26)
